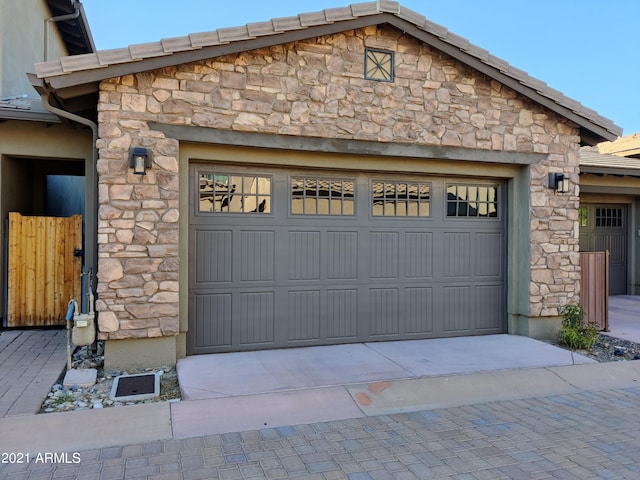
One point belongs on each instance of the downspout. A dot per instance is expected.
(61, 18)
(90, 194)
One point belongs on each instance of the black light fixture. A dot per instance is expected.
(140, 160)
(559, 181)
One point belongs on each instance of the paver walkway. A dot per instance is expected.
(581, 436)
(30, 363)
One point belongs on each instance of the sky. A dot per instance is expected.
(587, 49)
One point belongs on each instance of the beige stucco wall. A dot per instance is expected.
(22, 143)
(316, 89)
(22, 44)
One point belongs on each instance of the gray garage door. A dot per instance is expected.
(604, 227)
(296, 258)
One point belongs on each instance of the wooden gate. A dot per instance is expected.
(43, 272)
(594, 288)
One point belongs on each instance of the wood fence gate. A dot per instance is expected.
(43, 272)
(594, 288)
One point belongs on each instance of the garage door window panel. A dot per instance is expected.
(466, 200)
(322, 196)
(609, 217)
(400, 199)
(234, 193)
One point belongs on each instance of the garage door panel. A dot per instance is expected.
(304, 255)
(214, 251)
(457, 309)
(304, 315)
(457, 254)
(384, 314)
(384, 254)
(255, 320)
(488, 299)
(342, 314)
(341, 255)
(418, 310)
(257, 256)
(418, 255)
(488, 256)
(213, 320)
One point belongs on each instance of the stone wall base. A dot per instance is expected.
(139, 353)
(540, 328)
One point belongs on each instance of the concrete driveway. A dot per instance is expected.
(624, 317)
(286, 387)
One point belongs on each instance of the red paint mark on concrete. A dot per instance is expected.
(363, 399)
(378, 387)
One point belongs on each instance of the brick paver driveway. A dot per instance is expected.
(580, 436)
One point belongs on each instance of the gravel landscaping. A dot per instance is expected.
(65, 398)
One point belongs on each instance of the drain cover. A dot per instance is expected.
(135, 387)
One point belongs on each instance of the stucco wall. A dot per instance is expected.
(22, 30)
(312, 89)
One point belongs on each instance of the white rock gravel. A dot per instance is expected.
(65, 398)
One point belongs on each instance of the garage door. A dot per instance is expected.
(604, 227)
(284, 258)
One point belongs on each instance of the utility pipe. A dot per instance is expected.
(61, 18)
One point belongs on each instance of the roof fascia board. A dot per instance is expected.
(613, 171)
(609, 190)
(188, 56)
(354, 147)
(199, 54)
(28, 116)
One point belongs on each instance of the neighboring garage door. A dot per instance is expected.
(604, 227)
(283, 258)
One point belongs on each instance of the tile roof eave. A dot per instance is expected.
(107, 64)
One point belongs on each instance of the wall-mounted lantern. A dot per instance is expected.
(559, 181)
(140, 160)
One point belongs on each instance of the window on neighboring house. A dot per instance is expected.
(609, 217)
(400, 199)
(468, 200)
(322, 196)
(234, 193)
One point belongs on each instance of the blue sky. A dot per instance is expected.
(587, 49)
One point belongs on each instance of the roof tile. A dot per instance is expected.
(48, 69)
(497, 63)
(285, 24)
(390, 6)
(338, 14)
(458, 41)
(435, 29)
(110, 57)
(205, 39)
(79, 62)
(233, 34)
(226, 35)
(147, 50)
(261, 29)
(364, 9)
(479, 53)
(177, 44)
(413, 17)
(312, 19)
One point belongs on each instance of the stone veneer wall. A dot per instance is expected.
(313, 88)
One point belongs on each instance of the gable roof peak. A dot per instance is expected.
(89, 69)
